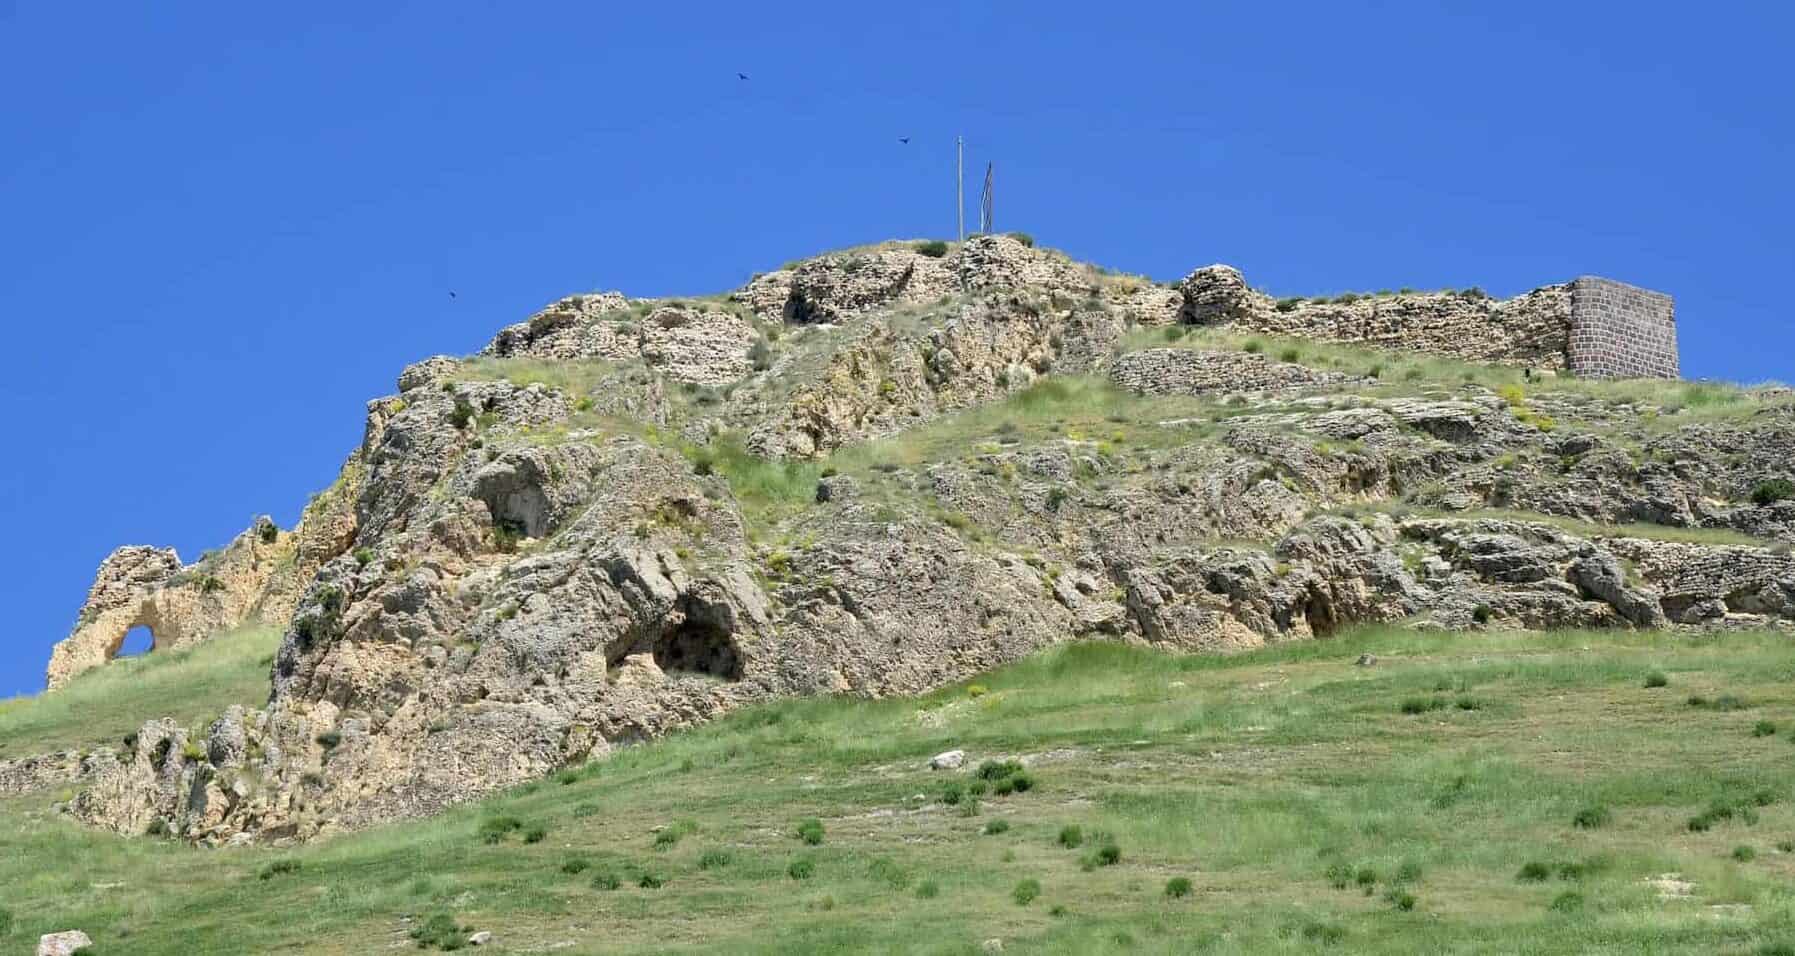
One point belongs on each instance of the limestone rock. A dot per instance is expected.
(63, 944)
(949, 760)
(1215, 295)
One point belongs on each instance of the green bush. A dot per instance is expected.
(1657, 679)
(1482, 614)
(952, 793)
(1592, 817)
(6, 921)
(1401, 899)
(713, 859)
(1178, 887)
(1109, 854)
(576, 866)
(463, 413)
(1533, 871)
(1763, 728)
(1253, 346)
(760, 354)
(329, 739)
(651, 881)
(496, 829)
(1289, 304)
(1071, 837)
(1026, 892)
(1408, 872)
(933, 248)
(1744, 854)
(1339, 875)
(927, 890)
(1570, 901)
(535, 834)
(1773, 491)
(995, 827)
(810, 830)
(1023, 238)
(1422, 705)
(1724, 702)
(605, 880)
(802, 868)
(439, 931)
(1326, 934)
(273, 869)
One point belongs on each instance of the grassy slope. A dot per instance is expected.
(100, 707)
(1252, 776)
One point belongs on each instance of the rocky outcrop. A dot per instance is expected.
(510, 575)
(148, 587)
(1172, 371)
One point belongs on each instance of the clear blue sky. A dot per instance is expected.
(225, 227)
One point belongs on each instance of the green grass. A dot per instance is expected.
(1284, 784)
(193, 685)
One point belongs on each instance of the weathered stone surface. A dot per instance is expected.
(1172, 371)
(149, 587)
(63, 944)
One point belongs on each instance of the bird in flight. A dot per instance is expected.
(904, 139)
(451, 293)
(741, 76)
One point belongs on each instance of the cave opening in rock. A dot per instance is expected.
(698, 645)
(136, 642)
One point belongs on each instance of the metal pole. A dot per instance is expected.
(960, 186)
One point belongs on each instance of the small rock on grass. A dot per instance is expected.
(1367, 660)
(951, 760)
(480, 939)
(62, 944)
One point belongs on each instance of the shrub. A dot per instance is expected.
(997, 770)
(1744, 854)
(1482, 614)
(1773, 491)
(952, 793)
(605, 880)
(801, 868)
(1723, 702)
(535, 834)
(997, 826)
(1178, 887)
(1290, 355)
(810, 831)
(1339, 875)
(1421, 705)
(439, 931)
(1026, 891)
(1023, 238)
(1570, 901)
(1592, 817)
(1408, 872)
(927, 890)
(576, 866)
(1401, 899)
(364, 556)
(275, 868)
(1109, 854)
(1289, 304)
(1533, 871)
(1071, 837)
(1763, 728)
(329, 739)
(1253, 346)
(496, 829)
(651, 881)
(6, 920)
(712, 859)
(1656, 679)
(933, 248)
(1326, 934)
(463, 413)
(760, 355)
(1366, 877)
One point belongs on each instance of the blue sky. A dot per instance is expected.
(226, 227)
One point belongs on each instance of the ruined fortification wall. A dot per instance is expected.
(1593, 327)
(1621, 331)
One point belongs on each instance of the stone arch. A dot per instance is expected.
(128, 643)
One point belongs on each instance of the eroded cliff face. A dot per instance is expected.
(866, 475)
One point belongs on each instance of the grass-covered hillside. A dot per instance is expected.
(192, 685)
(1489, 792)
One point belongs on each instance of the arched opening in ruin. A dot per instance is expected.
(135, 642)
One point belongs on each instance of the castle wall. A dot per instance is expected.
(1621, 331)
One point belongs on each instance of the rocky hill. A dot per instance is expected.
(885, 469)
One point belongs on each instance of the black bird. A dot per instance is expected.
(451, 295)
(742, 76)
(904, 139)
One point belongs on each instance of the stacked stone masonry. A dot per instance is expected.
(1621, 331)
